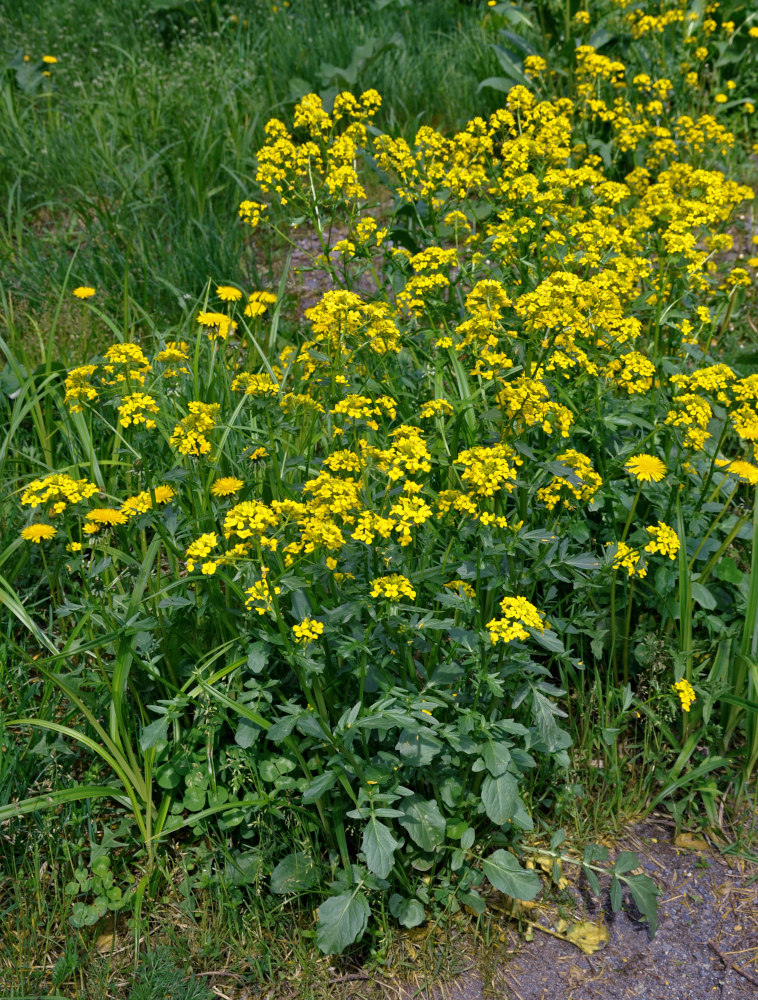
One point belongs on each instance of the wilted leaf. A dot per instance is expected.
(690, 842)
(588, 937)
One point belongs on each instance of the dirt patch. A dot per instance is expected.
(706, 944)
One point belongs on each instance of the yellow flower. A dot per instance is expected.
(38, 532)
(143, 502)
(50, 60)
(518, 615)
(686, 693)
(84, 292)
(307, 630)
(189, 434)
(228, 294)
(199, 549)
(106, 515)
(226, 485)
(258, 303)
(216, 324)
(393, 587)
(663, 539)
(646, 468)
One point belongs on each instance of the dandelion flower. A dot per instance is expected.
(38, 532)
(225, 486)
(646, 468)
(50, 60)
(228, 294)
(84, 292)
(258, 303)
(105, 515)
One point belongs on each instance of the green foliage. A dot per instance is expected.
(158, 976)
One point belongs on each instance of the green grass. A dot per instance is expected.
(126, 165)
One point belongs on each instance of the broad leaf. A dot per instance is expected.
(423, 821)
(645, 894)
(321, 784)
(409, 912)
(295, 873)
(341, 921)
(379, 846)
(507, 875)
(500, 797)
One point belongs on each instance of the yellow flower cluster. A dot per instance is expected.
(59, 491)
(308, 630)
(518, 616)
(686, 693)
(135, 409)
(188, 436)
(394, 586)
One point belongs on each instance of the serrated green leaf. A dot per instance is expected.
(507, 875)
(341, 921)
(379, 846)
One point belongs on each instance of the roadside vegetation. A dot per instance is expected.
(380, 395)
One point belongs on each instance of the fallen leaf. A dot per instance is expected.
(104, 942)
(588, 937)
(690, 842)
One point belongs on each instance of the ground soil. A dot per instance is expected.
(706, 944)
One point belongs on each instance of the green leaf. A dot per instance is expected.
(419, 748)
(379, 846)
(282, 729)
(154, 734)
(321, 784)
(295, 873)
(592, 879)
(500, 797)
(408, 912)
(341, 921)
(496, 757)
(645, 894)
(703, 596)
(507, 875)
(473, 900)
(243, 868)
(625, 862)
(544, 712)
(423, 821)
(616, 895)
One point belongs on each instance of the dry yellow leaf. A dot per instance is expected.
(104, 942)
(690, 842)
(588, 937)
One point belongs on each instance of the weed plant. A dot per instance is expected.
(360, 596)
